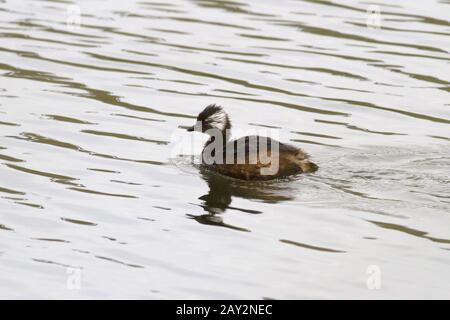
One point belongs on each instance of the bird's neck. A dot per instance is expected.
(220, 139)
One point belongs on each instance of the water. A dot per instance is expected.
(95, 202)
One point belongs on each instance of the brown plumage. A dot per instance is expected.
(249, 157)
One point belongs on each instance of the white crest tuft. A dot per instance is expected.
(218, 120)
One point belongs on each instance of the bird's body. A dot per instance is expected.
(249, 157)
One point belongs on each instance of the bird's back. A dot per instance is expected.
(260, 158)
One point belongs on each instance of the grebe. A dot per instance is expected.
(249, 157)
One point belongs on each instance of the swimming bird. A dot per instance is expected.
(249, 157)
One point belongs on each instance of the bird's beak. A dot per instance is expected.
(196, 127)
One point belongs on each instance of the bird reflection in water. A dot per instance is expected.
(222, 189)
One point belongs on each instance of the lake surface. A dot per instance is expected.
(98, 199)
